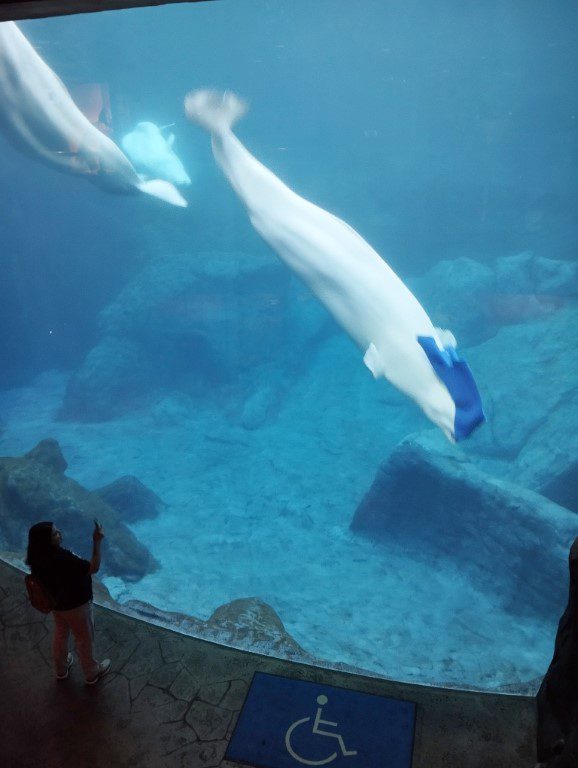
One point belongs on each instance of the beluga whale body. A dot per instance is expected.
(152, 155)
(38, 115)
(356, 285)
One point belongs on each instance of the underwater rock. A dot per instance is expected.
(34, 488)
(528, 379)
(247, 623)
(233, 301)
(259, 407)
(525, 273)
(550, 451)
(475, 300)
(48, 453)
(251, 623)
(563, 488)
(452, 293)
(131, 499)
(190, 323)
(112, 380)
(510, 541)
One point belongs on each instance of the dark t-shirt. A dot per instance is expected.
(67, 578)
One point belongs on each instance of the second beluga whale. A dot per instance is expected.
(39, 116)
(360, 290)
(152, 155)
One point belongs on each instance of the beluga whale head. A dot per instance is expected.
(152, 154)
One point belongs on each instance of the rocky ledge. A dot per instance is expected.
(433, 501)
(34, 487)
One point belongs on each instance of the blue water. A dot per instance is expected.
(173, 345)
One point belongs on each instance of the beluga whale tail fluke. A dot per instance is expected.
(214, 111)
(39, 116)
(361, 291)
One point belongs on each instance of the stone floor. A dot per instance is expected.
(173, 700)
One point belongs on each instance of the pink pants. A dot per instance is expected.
(79, 621)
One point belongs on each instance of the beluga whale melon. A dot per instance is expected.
(39, 116)
(361, 291)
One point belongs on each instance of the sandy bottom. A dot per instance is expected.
(266, 513)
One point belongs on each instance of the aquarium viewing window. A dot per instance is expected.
(289, 306)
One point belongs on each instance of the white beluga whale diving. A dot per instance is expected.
(152, 155)
(39, 117)
(359, 289)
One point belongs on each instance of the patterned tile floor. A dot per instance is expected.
(172, 701)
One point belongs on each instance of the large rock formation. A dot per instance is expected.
(511, 541)
(475, 300)
(528, 376)
(247, 623)
(34, 488)
(520, 315)
(192, 323)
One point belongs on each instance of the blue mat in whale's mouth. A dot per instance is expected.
(459, 380)
(287, 723)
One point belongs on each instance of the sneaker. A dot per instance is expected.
(64, 675)
(103, 668)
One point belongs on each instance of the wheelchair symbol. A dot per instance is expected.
(321, 700)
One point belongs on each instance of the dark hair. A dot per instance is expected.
(40, 549)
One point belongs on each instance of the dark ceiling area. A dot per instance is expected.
(31, 9)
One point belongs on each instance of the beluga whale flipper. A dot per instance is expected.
(38, 115)
(360, 290)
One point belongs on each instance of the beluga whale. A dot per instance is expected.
(360, 290)
(153, 155)
(39, 116)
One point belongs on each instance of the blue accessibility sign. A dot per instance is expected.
(288, 723)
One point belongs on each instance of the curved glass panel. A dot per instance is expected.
(199, 301)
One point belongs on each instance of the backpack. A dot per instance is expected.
(40, 598)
